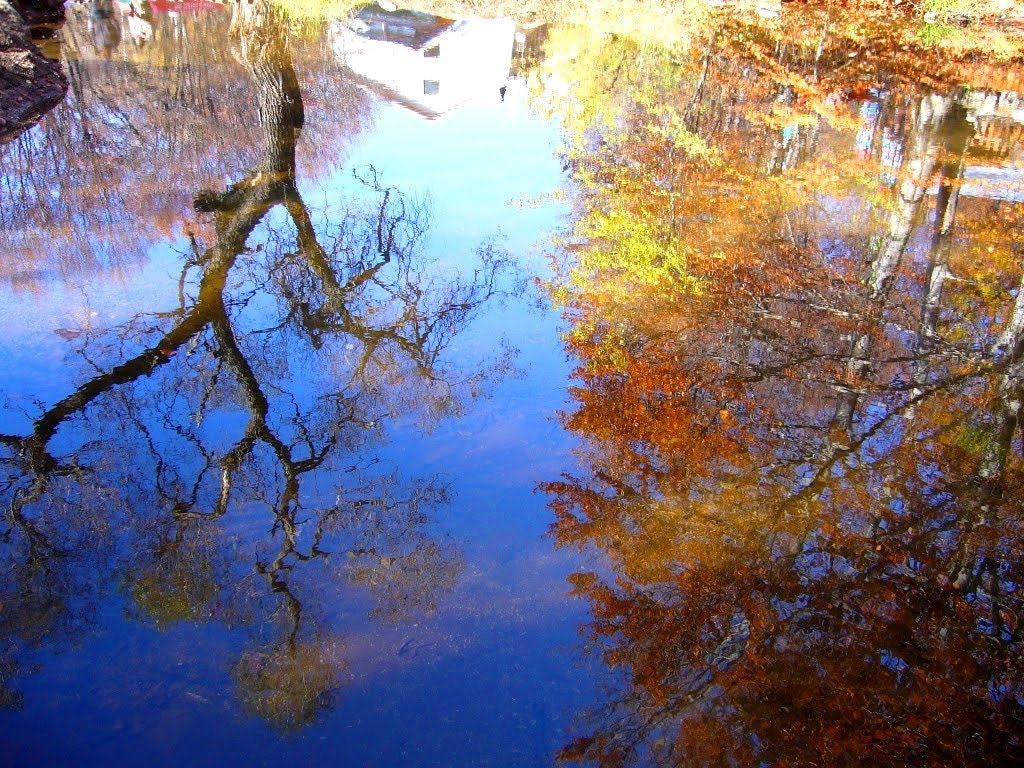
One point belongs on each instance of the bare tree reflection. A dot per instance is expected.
(266, 391)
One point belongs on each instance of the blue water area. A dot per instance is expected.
(402, 604)
(397, 390)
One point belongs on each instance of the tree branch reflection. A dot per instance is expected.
(298, 336)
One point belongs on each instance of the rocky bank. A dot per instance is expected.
(30, 83)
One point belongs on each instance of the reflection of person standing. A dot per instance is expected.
(139, 27)
(105, 31)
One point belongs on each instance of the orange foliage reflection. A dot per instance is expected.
(800, 460)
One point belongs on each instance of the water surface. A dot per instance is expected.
(420, 391)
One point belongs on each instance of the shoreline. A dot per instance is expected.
(30, 84)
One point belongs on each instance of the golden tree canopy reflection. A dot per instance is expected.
(797, 390)
(290, 687)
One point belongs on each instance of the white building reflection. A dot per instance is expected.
(428, 64)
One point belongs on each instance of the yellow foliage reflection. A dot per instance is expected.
(797, 389)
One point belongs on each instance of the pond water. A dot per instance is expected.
(404, 390)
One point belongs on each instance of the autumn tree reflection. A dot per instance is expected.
(798, 391)
(265, 394)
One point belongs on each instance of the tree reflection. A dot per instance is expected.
(87, 190)
(298, 336)
(800, 454)
(289, 686)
